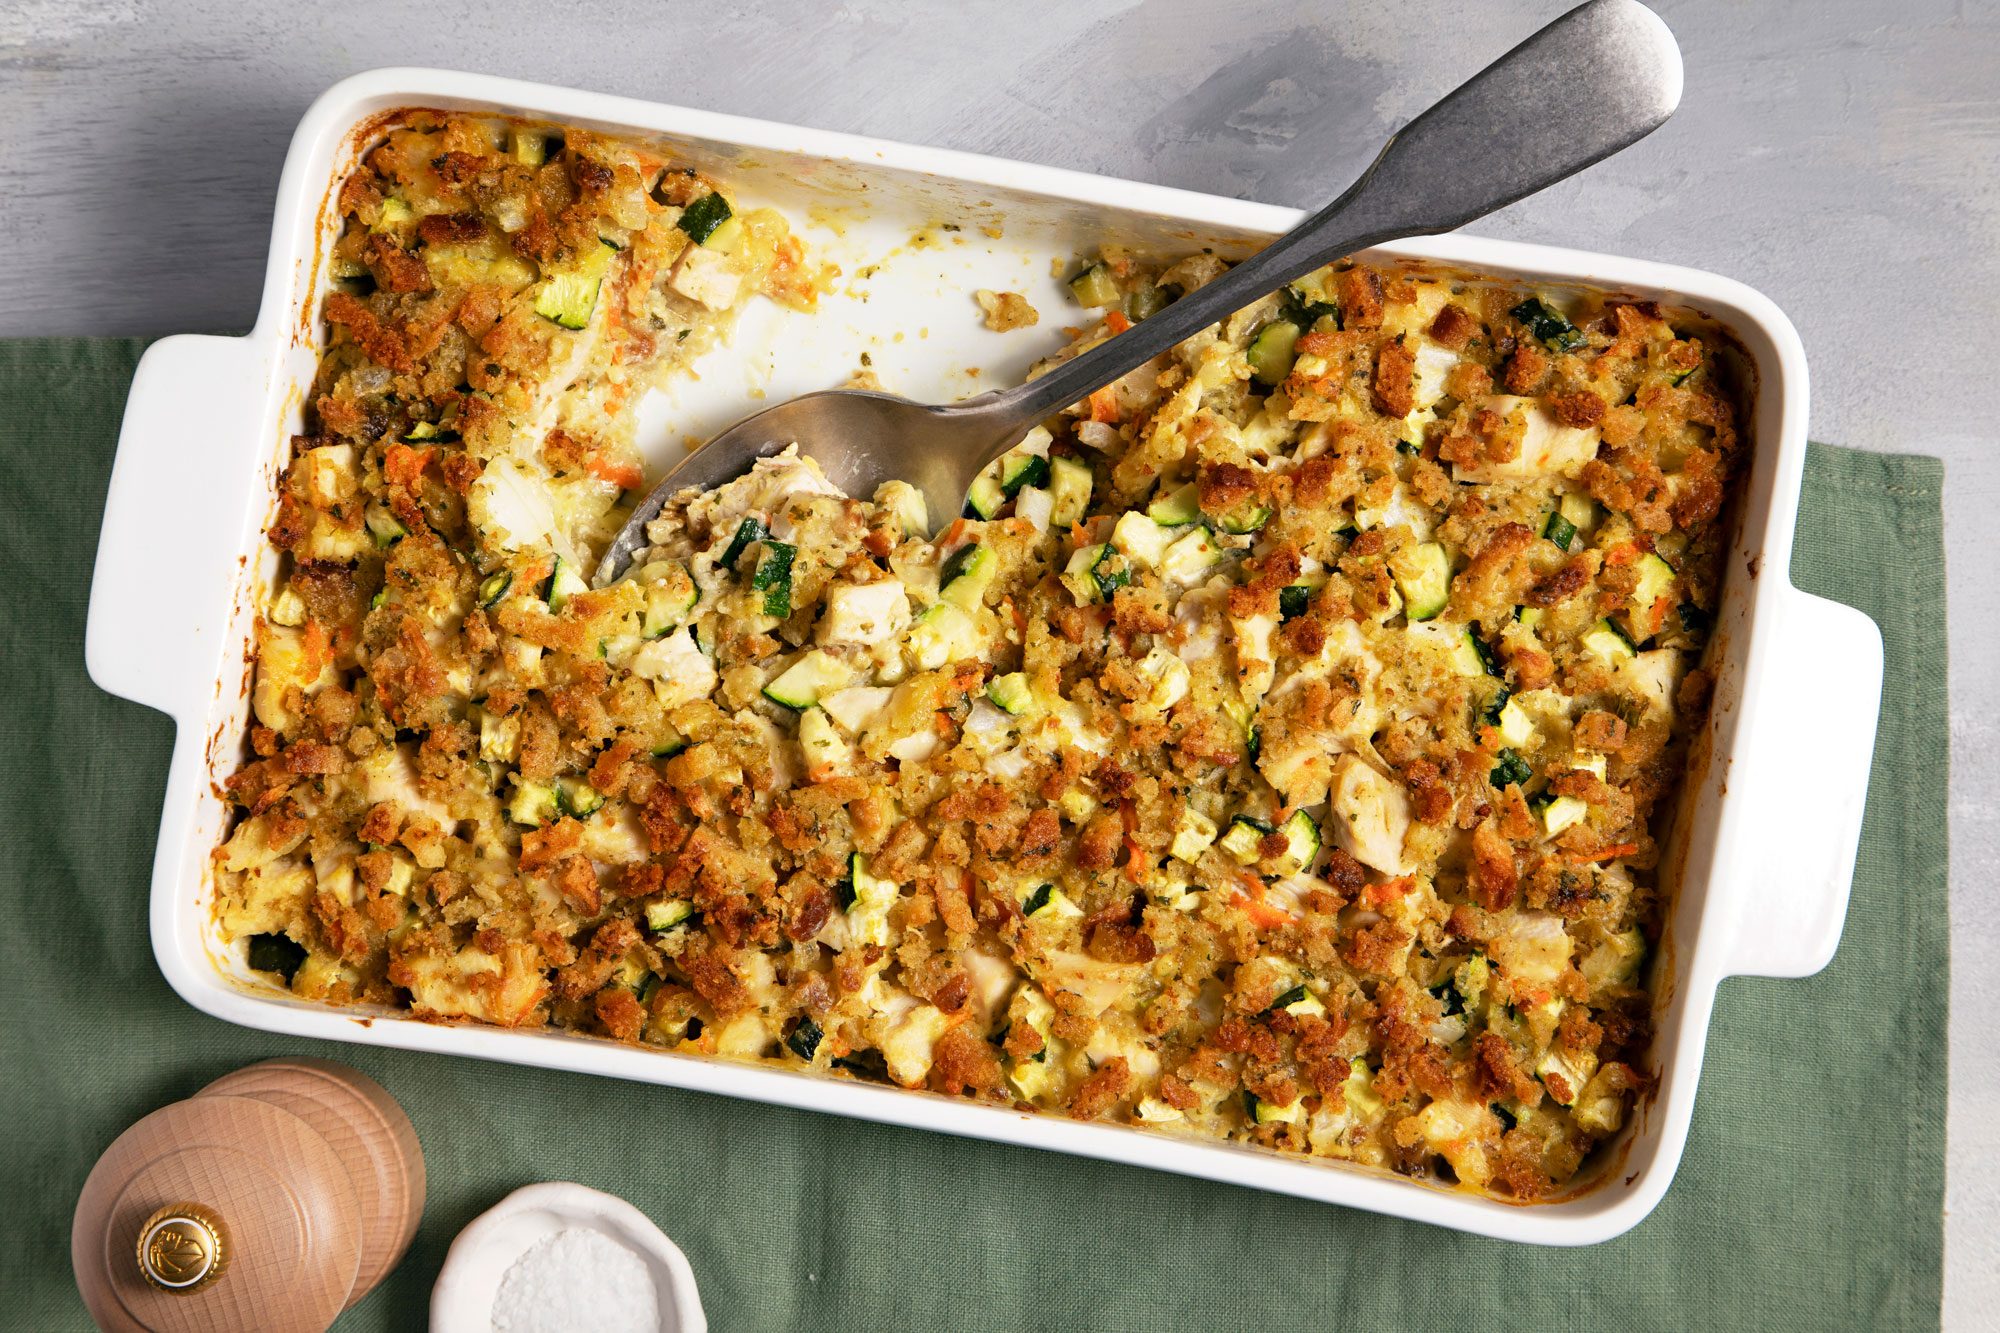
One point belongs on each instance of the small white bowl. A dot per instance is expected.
(462, 1300)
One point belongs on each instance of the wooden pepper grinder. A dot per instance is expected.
(273, 1199)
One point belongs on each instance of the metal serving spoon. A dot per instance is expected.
(1596, 80)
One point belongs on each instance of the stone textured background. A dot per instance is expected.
(1844, 157)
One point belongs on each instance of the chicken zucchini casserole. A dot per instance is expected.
(1274, 751)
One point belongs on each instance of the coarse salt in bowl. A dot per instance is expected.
(558, 1257)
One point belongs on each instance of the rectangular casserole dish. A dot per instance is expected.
(1759, 860)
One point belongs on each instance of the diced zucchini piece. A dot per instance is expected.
(1175, 508)
(826, 750)
(1272, 352)
(1145, 302)
(1049, 902)
(383, 526)
(700, 218)
(1110, 571)
(494, 586)
(1094, 573)
(773, 577)
(1269, 1113)
(569, 299)
(725, 238)
(576, 797)
(1302, 843)
(1244, 517)
(802, 683)
(670, 595)
(565, 582)
(1010, 693)
(942, 633)
(395, 213)
(804, 1040)
(534, 804)
(1095, 287)
(1359, 1091)
(1528, 616)
(1244, 716)
(662, 917)
(1607, 643)
(1194, 835)
(1516, 727)
(1191, 556)
(1511, 771)
(868, 899)
(528, 147)
(1468, 654)
(1069, 488)
(1076, 574)
(1293, 599)
(275, 953)
(1019, 469)
(424, 430)
(985, 497)
(1578, 510)
(1559, 530)
(1616, 961)
(1242, 838)
(906, 503)
(1651, 598)
(1423, 573)
(1563, 812)
(1297, 1000)
(748, 531)
(967, 575)
(1548, 324)
(1143, 541)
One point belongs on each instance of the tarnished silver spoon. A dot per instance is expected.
(1596, 80)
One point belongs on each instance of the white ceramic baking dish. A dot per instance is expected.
(1765, 837)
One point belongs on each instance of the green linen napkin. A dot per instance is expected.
(1810, 1196)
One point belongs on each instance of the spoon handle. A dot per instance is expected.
(1596, 80)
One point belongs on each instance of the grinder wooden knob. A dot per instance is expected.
(273, 1199)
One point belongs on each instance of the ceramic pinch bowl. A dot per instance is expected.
(467, 1286)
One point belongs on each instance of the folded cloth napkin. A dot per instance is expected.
(1810, 1196)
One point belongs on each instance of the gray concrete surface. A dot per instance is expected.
(1843, 156)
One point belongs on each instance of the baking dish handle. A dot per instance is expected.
(1815, 744)
(172, 533)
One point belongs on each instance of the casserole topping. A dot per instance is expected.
(1274, 751)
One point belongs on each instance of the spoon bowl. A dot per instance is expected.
(1596, 80)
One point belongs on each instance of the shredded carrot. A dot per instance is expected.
(624, 475)
(1265, 916)
(318, 650)
(1612, 853)
(954, 534)
(1116, 322)
(1624, 553)
(1104, 405)
(402, 465)
(1379, 896)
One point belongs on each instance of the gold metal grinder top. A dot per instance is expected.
(183, 1247)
